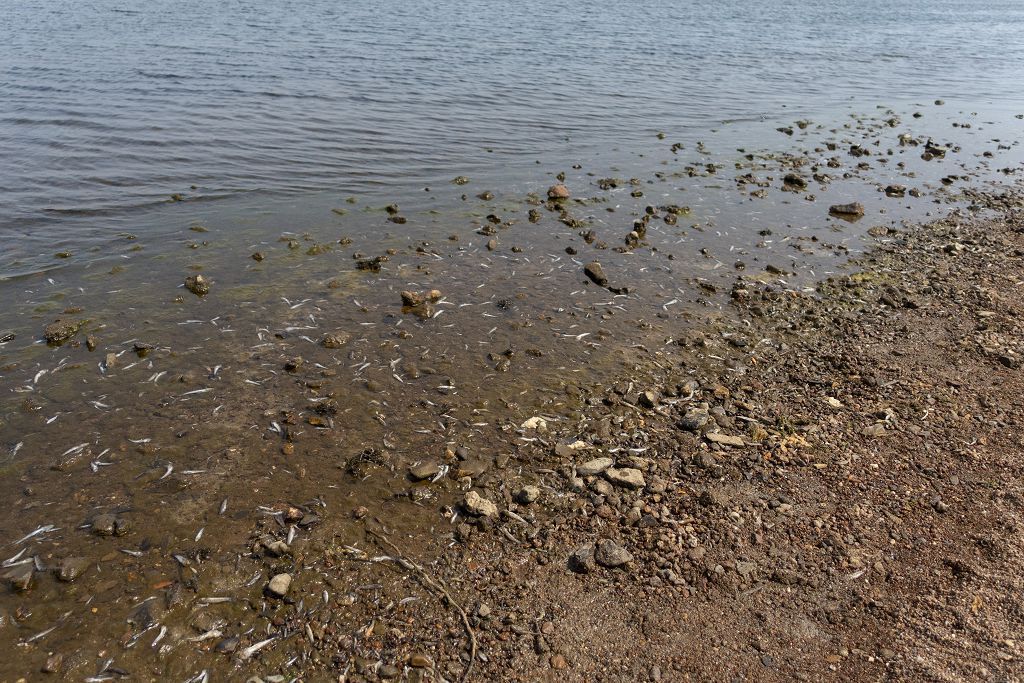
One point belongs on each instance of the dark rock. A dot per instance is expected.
(595, 272)
(582, 560)
(852, 209)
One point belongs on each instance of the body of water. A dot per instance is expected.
(108, 108)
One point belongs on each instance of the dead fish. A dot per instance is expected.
(170, 468)
(200, 534)
(45, 529)
(17, 447)
(159, 636)
(223, 506)
(215, 633)
(197, 391)
(255, 647)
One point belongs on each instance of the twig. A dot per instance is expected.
(438, 586)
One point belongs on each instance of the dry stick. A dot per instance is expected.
(437, 586)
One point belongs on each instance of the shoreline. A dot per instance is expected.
(758, 479)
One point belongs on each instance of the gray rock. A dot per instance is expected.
(648, 399)
(724, 439)
(582, 560)
(626, 477)
(611, 554)
(853, 209)
(110, 525)
(423, 470)
(595, 466)
(276, 548)
(694, 420)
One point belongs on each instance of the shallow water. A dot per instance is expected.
(108, 109)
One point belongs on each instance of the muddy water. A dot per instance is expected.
(201, 429)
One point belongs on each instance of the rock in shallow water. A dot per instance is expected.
(279, 585)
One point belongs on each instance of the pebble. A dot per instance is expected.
(527, 495)
(479, 506)
(279, 585)
(724, 439)
(198, 285)
(582, 560)
(851, 209)
(70, 568)
(595, 272)
(423, 470)
(558, 192)
(626, 477)
(593, 467)
(611, 554)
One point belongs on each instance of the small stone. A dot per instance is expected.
(479, 506)
(538, 423)
(276, 548)
(110, 361)
(228, 645)
(593, 467)
(527, 495)
(420, 661)
(389, 671)
(694, 420)
(20, 577)
(279, 585)
(61, 331)
(876, 430)
(582, 560)
(197, 284)
(423, 470)
(70, 568)
(611, 554)
(724, 439)
(558, 192)
(53, 663)
(626, 477)
(851, 209)
(558, 662)
(648, 399)
(595, 272)
(335, 340)
(110, 525)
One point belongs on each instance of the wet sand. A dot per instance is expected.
(708, 447)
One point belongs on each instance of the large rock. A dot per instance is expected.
(70, 568)
(198, 285)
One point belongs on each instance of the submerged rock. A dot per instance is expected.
(61, 331)
(198, 285)
(851, 209)
(279, 585)
(558, 192)
(595, 272)
(70, 568)
(335, 340)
